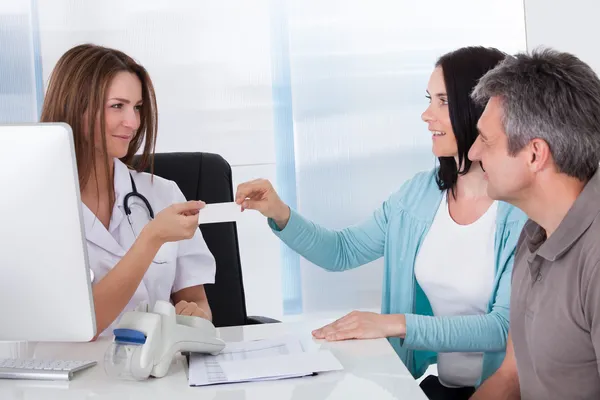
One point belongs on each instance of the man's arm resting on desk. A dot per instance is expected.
(504, 384)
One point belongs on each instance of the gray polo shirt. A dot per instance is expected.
(555, 304)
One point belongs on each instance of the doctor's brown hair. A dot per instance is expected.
(76, 95)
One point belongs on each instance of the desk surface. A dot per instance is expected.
(371, 371)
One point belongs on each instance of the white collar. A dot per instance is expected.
(95, 232)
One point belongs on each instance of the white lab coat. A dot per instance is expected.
(177, 265)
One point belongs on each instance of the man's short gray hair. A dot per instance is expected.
(552, 96)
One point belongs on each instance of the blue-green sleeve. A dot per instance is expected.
(336, 250)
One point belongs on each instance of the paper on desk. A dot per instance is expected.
(259, 360)
(220, 212)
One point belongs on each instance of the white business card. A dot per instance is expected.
(220, 212)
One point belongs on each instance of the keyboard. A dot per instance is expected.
(53, 370)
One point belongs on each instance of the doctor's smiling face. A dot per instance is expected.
(108, 100)
(121, 114)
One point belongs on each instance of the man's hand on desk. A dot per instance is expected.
(363, 325)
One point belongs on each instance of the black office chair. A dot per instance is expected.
(207, 177)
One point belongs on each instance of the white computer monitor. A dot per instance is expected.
(45, 289)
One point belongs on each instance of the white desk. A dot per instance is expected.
(371, 371)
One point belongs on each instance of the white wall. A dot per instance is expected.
(567, 25)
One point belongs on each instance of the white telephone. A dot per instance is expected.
(146, 342)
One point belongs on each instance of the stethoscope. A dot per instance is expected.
(135, 193)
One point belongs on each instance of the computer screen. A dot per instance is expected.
(45, 286)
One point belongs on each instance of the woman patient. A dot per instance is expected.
(448, 248)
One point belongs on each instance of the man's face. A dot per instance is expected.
(508, 176)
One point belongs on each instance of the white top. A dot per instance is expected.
(177, 265)
(455, 269)
(372, 370)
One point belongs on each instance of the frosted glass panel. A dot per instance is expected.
(323, 95)
(18, 101)
(209, 60)
(359, 71)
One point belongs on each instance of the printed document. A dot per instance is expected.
(259, 360)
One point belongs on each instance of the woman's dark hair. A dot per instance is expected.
(462, 70)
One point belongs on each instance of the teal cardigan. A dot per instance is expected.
(396, 231)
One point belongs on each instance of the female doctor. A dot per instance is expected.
(142, 236)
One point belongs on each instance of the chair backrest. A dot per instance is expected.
(207, 177)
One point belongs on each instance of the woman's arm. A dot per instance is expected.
(336, 250)
(479, 333)
(115, 289)
(330, 249)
